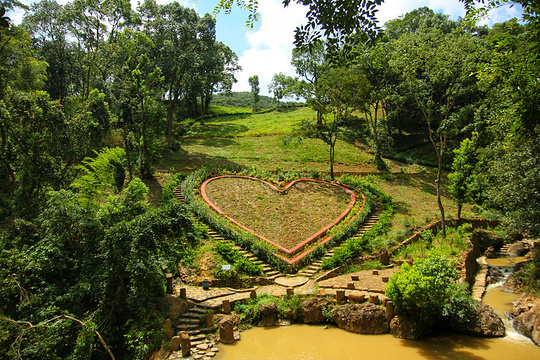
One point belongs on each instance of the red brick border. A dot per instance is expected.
(288, 252)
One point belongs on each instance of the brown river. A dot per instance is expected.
(310, 342)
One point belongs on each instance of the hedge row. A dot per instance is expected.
(354, 246)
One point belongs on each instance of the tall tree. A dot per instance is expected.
(281, 86)
(310, 65)
(437, 68)
(342, 91)
(254, 84)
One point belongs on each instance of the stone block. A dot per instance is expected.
(183, 293)
(354, 278)
(175, 343)
(340, 296)
(226, 306)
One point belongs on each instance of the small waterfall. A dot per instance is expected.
(500, 297)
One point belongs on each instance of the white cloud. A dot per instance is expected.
(271, 45)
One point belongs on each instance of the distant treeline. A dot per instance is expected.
(245, 99)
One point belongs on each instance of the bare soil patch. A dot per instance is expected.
(287, 219)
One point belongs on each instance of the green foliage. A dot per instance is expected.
(238, 261)
(461, 179)
(249, 312)
(427, 290)
(99, 174)
(254, 84)
(456, 242)
(354, 245)
(529, 277)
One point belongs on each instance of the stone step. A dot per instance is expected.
(197, 310)
(272, 273)
(190, 315)
(188, 321)
(197, 337)
(184, 327)
(273, 277)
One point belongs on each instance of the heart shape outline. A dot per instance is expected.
(287, 252)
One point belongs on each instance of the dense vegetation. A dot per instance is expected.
(93, 93)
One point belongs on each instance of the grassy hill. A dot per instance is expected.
(257, 140)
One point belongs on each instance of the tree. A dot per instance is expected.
(281, 86)
(337, 21)
(412, 21)
(254, 84)
(46, 23)
(374, 63)
(310, 65)
(342, 90)
(428, 290)
(463, 168)
(437, 68)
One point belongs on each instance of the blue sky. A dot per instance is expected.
(266, 49)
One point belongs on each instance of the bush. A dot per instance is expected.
(427, 290)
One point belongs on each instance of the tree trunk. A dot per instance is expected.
(170, 116)
(202, 108)
(459, 207)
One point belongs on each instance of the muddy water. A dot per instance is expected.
(306, 342)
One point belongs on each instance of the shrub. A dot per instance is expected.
(427, 290)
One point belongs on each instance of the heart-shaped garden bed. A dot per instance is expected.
(289, 218)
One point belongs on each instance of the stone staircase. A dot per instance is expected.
(269, 272)
(190, 322)
(372, 218)
(178, 193)
(503, 251)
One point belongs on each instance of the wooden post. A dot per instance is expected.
(169, 278)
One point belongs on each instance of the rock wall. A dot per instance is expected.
(527, 317)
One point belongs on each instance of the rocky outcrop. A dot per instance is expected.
(480, 320)
(361, 318)
(519, 249)
(177, 306)
(269, 315)
(527, 318)
(404, 328)
(311, 310)
(483, 239)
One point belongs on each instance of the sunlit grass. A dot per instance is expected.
(275, 122)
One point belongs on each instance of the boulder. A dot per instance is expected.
(490, 253)
(364, 318)
(177, 306)
(384, 258)
(518, 249)
(226, 330)
(479, 320)
(269, 315)
(311, 310)
(527, 321)
(404, 328)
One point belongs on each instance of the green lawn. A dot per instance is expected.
(276, 122)
(266, 152)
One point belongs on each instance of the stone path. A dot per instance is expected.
(373, 217)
